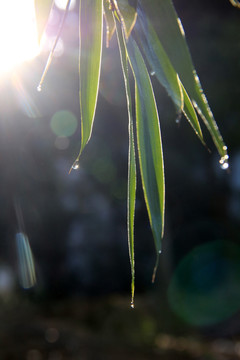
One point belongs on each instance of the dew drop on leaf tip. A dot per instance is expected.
(224, 162)
(39, 88)
(76, 165)
(178, 119)
(132, 305)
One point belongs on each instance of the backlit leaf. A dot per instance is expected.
(191, 115)
(131, 196)
(91, 18)
(163, 69)
(158, 59)
(149, 145)
(110, 24)
(127, 12)
(171, 35)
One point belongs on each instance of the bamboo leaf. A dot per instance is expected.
(131, 196)
(149, 145)
(51, 54)
(163, 69)
(158, 59)
(191, 115)
(91, 18)
(171, 35)
(42, 11)
(110, 24)
(127, 12)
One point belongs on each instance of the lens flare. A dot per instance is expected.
(204, 289)
(26, 262)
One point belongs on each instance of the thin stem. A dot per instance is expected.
(50, 56)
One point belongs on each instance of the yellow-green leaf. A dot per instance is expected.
(191, 115)
(131, 196)
(127, 13)
(110, 24)
(91, 18)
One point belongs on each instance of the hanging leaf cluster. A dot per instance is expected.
(143, 51)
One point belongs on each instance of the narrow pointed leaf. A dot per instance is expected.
(42, 11)
(127, 13)
(163, 69)
(158, 59)
(110, 24)
(191, 115)
(131, 196)
(171, 35)
(50, 56)
(149, 144)
(91, 18)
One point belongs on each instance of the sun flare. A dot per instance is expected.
(18, 33)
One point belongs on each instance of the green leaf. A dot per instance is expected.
(127, 14)
(191, 115)
(158, 59)
(91, 18)
(171, 35)
(42, 11)
(131, 196)
(149, 145)
(110, 24)
(163, 69)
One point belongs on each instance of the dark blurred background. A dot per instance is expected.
(76, 223)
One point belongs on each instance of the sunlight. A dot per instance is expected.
(61, 4)
(18, 33)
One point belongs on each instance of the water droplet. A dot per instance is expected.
(225, 166)
(76, 165)
(178, 119)
(152, 73)
(160, 251)
(224, 162)
(132, 304)
(225, 148)
(39, 88)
